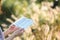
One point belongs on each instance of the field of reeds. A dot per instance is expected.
(46, 20)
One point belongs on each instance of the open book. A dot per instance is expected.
(23, 22)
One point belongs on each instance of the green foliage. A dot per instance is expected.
(42, 20)
(59, 3)
(8, 3)
(50, 0)
(7, 7)
(57, 21)
(39, 1)
(28, 15)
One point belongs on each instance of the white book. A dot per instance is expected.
(23, 22)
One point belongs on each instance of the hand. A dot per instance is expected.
(16, 33)
(11, 29)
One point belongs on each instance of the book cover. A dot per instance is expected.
(23, 22)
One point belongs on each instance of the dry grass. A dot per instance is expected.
(45, 25)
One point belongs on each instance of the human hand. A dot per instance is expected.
(11, 29)
(16, 33)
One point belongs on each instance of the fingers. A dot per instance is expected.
(18, 32)
(11, 29)
(14, 34)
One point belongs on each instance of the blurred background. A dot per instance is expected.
(45, 13)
